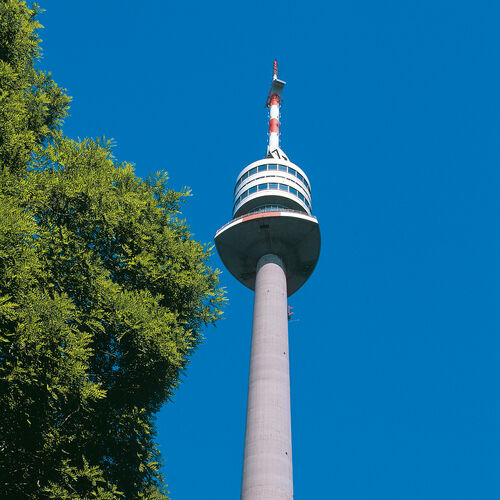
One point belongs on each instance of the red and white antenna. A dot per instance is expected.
(273, 103)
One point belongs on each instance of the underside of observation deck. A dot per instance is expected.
(293, 236)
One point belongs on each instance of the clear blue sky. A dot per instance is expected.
(393, 110)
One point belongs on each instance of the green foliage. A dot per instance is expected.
(32, 106)
(103, 295)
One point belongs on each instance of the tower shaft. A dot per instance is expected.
(267, 464)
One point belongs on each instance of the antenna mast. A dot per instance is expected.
(273, 103)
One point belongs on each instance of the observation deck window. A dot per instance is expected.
(261, 187)
(270, 208)
(263, 168)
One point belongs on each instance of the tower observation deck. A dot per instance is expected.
(271, 245)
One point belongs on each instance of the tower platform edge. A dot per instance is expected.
(293, 236)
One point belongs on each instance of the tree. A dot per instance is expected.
(103, 295)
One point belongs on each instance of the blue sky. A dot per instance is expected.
(392, 108)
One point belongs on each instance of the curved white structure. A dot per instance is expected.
(270, 182)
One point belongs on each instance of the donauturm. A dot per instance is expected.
(271, 245)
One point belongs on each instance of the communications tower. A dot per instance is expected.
(271, 245)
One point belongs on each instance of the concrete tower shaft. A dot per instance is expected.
(267, 463)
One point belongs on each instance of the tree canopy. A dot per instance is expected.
(103, 295)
